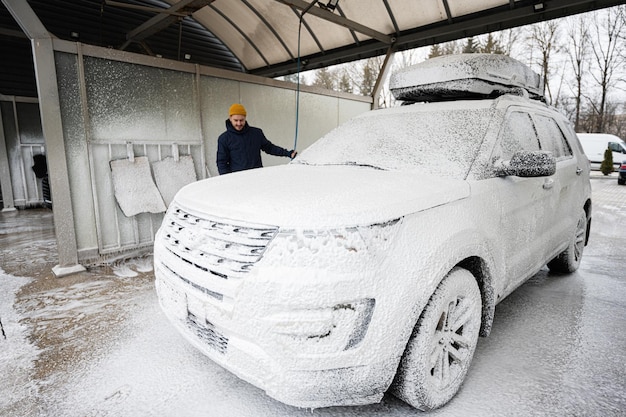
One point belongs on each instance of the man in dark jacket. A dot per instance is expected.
(240, 146)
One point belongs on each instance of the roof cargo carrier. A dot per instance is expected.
(452, 77)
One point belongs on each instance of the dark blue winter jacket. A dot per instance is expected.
(239, 150)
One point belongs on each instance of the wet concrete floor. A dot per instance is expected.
(69, 318)
(66, 316)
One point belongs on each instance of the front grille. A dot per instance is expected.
(221, 247)
(207, 332)
(200, 288)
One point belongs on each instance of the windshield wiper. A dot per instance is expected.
(348, 163)
(356, 164)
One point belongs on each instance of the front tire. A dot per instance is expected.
(569, 260)
(440, 350)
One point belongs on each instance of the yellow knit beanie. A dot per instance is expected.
(237, 109)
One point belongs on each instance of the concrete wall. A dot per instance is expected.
(116, 106)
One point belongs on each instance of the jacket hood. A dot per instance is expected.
(301, 196)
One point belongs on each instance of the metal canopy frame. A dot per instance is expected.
(259, 37)
(339, 20)
(163, 19)
(259, 34)
(510, 15)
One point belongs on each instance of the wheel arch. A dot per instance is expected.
(587, 209)
(465, 248)
(479, 268)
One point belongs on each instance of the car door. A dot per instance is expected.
(561, 213)
(522, 203)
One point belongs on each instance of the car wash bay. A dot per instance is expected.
(96, 342)
(149, 109)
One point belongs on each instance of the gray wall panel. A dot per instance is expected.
(120, 102)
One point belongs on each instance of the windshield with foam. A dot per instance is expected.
(443, 142)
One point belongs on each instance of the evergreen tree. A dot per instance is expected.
(435, 50)
(325, 78)
(370, 73)
(607, 164)
(345, 83)
(492, 46)
(470, 46)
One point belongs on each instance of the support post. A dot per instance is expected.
(381, 76)
(52, 125)
(5, 172)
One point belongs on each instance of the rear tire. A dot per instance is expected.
(621, 181)
(569, 260)
(442, 345)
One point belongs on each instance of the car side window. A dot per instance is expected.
(615, 147)
(517, 134)
(551, 138)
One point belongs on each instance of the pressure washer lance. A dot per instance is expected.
(305, 11)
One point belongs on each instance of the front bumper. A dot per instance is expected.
(304, 341)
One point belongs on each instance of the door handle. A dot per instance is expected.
(548, 184)
(579, 171)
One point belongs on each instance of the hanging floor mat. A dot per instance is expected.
(171, 175)
(134, 188)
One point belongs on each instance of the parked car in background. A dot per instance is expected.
(596, 144)
(374, 260)
(621, 175)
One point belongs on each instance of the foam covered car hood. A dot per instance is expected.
(300, 196)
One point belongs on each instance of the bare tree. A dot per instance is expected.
(545, 36)
(451, 47)
(608, 31)
(508, 39)
(407, 58)
(578, 35)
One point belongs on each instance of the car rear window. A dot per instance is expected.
(442, 142)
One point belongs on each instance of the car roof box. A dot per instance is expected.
(451, 77)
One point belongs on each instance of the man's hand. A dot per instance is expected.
(294, 153)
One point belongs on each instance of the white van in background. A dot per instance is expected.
(594, 145)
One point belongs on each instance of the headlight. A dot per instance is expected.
(347, 249)
(323, 330)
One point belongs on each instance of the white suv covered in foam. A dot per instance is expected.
(374, 260)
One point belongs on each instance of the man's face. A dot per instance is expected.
(238, 121)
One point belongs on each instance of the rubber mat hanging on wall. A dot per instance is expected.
(134, 188)
(173, 173)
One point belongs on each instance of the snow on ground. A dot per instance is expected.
(97, 344)
(17, 354)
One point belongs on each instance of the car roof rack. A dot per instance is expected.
(466, 76)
